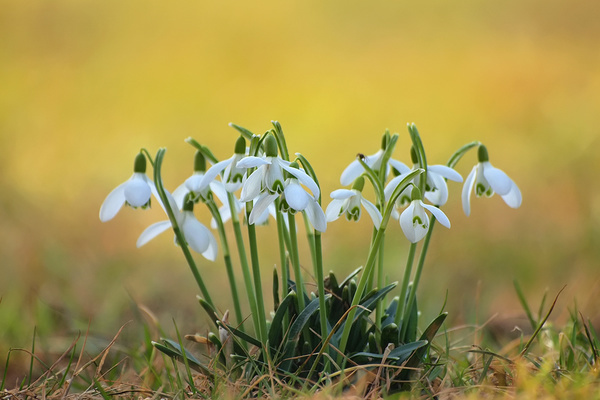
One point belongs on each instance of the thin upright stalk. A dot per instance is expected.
(296, 261)
(228, 266)
(244, 263)
(320, 285)
(260, 304)
(405, 282)
(174, 224)
(362, 283)
(283, 259)
(413, 290)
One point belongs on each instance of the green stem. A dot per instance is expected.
(296, 261)
(360, 290)
(244, 262)
(405, 282)
(285, 272)
(413, 290)
(180, 237)
(380, 284)
(260, 304)
(228, 266)
(320, 285)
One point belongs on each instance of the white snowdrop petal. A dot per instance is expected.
(137, 192)
(261, 205)
(373, 212)
(498, 180)
(218, 188)
(193, 183)
(391, 186)
(335, 209)
(352, 171)
(152, 231)
(252, 162)
(179, 195)
(296, 197)
(342, 194)
(438, 214)
(214, 171)
(304, 179)
(467, 190)
(513, 198)
(399, 166)
(446, 172)
(406, 223)
(213, 249)
(113, 203)
(196, 234)
(252, 186)
(316, 216)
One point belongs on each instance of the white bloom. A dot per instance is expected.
(355, 169)
(485, 180)
(436, 187)
(233, 176)
(415, 222)
(268, 176)
(198, 186)
(135, 192)
(198, 237)
(299, 199)
(349, 202)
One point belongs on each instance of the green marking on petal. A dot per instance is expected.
(480, 190)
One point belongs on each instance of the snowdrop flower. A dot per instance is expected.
(233, 176)
(295, 198)
(485, 180)
(267, 182)
(268, 176)
(198, 186)
(134, 192)
(198, 237)
(355, 169)
(436, 190)
(348, 202)
(414, 220)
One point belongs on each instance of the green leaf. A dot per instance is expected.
(212, 314)
(295, 330)
(276, 331)
(242, 335)
(245, 132)
(173, 350)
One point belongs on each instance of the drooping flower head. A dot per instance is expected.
(348, 202)
(197, 236)
(199, 188)
(486, 180)
(233, 176)
(268, 175)
(436, 188)
(135, 192)
(355, 168)
(414, 221)
(295, 198)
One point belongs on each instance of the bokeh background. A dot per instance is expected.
(86, 84)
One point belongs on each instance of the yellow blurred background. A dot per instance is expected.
(86, 84)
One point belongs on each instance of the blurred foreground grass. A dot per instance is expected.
(86, 84)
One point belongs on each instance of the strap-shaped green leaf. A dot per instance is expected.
(173, 350)
(276, 330)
